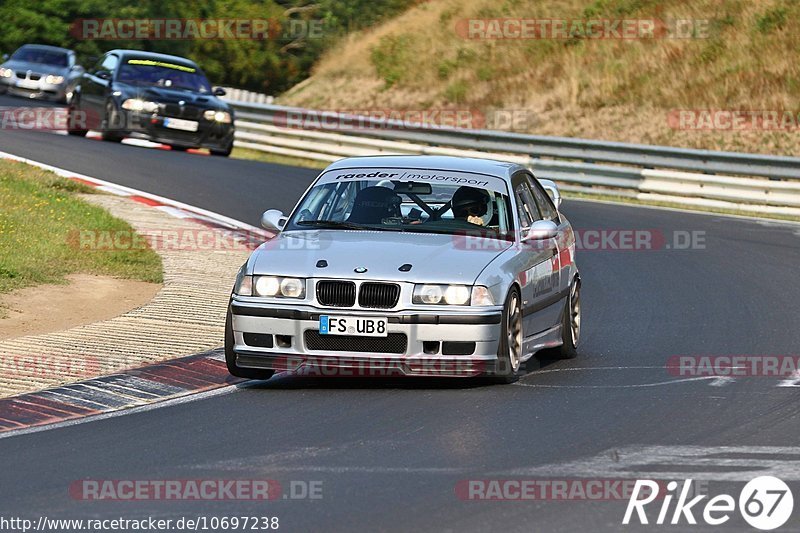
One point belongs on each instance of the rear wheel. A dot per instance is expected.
(76, 122)
(509, 354)
(230, 357)
(571, 323)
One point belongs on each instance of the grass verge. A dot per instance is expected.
(39, 211)
(257, 155)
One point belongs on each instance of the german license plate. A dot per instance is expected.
(353, 325)
(180, 124)
(27, 84)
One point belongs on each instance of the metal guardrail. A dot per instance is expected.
(242, 95)
(748, 182)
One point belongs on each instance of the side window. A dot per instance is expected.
(546, 207)
(109, 63)
(528, 213)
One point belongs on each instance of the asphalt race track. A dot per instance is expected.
(390, 453)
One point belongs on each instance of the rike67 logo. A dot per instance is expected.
(765, 503)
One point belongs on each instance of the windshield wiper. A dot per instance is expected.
(335, 224)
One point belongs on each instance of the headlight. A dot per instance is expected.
(276, 287)
(217, 116)
(137, 104)
(456, 295)
(6, 72)
(292, 288)
(428, 294)
(441, 294)
(54, 80)
(267, 286)
(431, 294)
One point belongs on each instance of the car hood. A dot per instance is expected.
(434, 258)
(39, 68)
(172, 96)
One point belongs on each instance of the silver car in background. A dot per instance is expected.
(412, 265)
(41, 71)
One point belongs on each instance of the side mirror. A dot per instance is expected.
(541, 230)
(5, 57)
(103, 74)
(219, 91)
(273, 220)
(552, 191)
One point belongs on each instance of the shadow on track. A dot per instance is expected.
(288, 381)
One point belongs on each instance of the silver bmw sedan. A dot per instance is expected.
(409, 265)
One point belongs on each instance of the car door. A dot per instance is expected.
(565, 241)
(538, 276)
(95, 87)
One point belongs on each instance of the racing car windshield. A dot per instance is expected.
(391, 203)
(41, 55)
(163, 74)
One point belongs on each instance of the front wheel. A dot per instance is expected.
(509, 353)
(225, 152)
(230, 357)
(109, 128)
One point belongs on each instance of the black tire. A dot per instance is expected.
(71, 121)
(107, 131)
(223, 153)
(571, 322)
(230, 357)
(511, 335)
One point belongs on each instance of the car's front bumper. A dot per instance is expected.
(435, 344)
(209, 134)
(35, 89)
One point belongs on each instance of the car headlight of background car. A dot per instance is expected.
(271, 286)
(53, 79)
(137, 104)
(433, 294)
(6, 72)
(217, 116)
